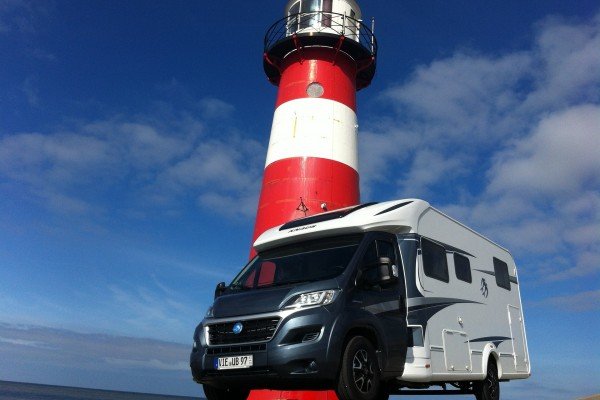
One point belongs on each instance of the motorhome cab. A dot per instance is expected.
(370, 300)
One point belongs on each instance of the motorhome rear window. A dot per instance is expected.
(462, 267)
(435, 264)
(322, 217)
(501, 272)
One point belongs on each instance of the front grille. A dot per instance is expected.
(254, 330)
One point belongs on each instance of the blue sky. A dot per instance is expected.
(133, 137)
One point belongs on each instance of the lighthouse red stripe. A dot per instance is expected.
(296, 395)
(336, 72)
(315, 180)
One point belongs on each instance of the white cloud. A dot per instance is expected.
(166, 159)
(226, 165)
(23, 16)
(380, 150)
(96, 360)
(235, 206)
(460, 98)
(568, 60)
(507, 143)
(143, 309)
(578, 302)
(30, 91)
(91, 350)
(22, 342)
(428, 167)
(224, 175)
(211, 107)
(559, 158)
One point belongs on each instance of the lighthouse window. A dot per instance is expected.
(295, 8)
(315, 89)
(310, 6)
(312, 18)
(352, 24)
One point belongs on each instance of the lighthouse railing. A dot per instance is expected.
(321, 22)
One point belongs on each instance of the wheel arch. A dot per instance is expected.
(490, 354)
(367, 331)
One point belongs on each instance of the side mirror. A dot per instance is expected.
(383, 272)
(219, 289)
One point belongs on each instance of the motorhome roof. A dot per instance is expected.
(393, 216)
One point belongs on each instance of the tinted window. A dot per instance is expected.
(462, 267)
(386, 249)
(376, 250)
(501, 272)
(370, 256)
(435, 264)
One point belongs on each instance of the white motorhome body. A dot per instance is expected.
(463, 297)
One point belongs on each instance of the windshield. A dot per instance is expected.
(310, 261)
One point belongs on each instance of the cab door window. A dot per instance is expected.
(376, 250)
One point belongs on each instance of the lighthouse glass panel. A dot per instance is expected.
(311, 15)
(352, 26)
(292, 25)
(304, 14)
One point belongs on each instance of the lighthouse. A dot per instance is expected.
(318, 55)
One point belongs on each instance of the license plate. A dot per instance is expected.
(233, 362)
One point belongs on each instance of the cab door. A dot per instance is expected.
(385, 302)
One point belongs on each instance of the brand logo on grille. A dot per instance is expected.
(237, 328)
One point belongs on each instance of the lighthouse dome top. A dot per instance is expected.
(323, 16)
(345, 7)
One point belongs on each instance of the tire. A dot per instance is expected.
(489, 388)
(359, 372)
(213, 393)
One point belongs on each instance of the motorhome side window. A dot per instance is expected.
(435, 264)
(501, 272)
(462, 267)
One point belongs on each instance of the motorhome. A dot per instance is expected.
(370, 300)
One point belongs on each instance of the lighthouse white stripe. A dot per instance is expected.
(314, 128)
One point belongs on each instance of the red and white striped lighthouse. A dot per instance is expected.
(318, 55)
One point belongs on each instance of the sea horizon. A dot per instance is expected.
(12, 390)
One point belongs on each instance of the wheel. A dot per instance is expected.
(359, 372)
(213, 393)
(489, 388)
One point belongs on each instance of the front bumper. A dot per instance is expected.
(301, 353)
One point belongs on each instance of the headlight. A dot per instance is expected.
(320, 298)
(209, 312)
